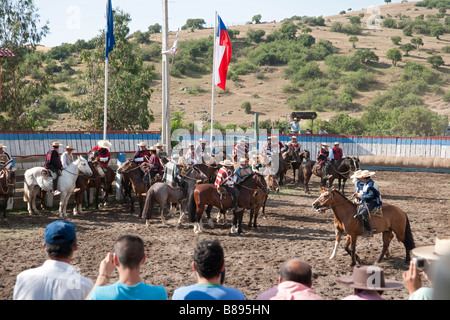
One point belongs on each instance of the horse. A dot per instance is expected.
(273, 186)
(97, 184)
(7, 187)
(208, 195)
(285, 160)
(130, 170)
(38, 177)
(163, 193)
(305, 154)
(393, 220)
(341, 170)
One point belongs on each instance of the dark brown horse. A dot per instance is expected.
(393, 220)
(285, 160)
(206, 195)
(305, 154)
(130, 170)
(7, 187)
(341, 169)
(85, 183)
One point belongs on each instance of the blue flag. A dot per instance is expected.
(110, 41)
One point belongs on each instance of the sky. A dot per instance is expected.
(70, 20)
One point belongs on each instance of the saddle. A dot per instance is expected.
(377, 212)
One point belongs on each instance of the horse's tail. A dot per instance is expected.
(147, 211)
(301, 177)
(409, 240)
(192, 207)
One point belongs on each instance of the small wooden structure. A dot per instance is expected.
(305, 115)
(4, 53)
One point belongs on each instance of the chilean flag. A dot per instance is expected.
(222, 56)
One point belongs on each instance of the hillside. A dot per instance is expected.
(266, 94)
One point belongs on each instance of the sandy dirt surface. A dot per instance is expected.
(292, 229)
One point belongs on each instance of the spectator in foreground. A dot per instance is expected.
(56, 279)
(432, 254)
(368, 283)
(294, 283)
(209, 267)
(128, 257)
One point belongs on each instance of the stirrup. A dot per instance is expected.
(56, 192)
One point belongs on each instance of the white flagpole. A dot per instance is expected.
(106, 100)
(213, 82)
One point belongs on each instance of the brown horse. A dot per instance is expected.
(7, 187)
(341, 169)
(84, 183)
(393, 219)
(305, 154)
(285, 160)
(130, 170)
(162, 194)
(207, 195)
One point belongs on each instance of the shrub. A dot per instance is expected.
(255, 35)
(343, 63)
(435, 61)
(247, 107)
(446, 97)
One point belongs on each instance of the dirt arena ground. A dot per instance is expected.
(292, 229)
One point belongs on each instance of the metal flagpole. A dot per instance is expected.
(105, 112)
(165, 82)
(213, 82)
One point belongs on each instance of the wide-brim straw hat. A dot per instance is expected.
(440, 248)
(336, 143)
(2, 146)
(227, 163)
(142, 144)
(202, 140)
(243, 160)
(159, 144)
(368, 278)
(365, 174)
(55, 144)
(69, 148)
(104, 144)
(324, 144)
(294, 137)
(356, 174)
(152, 148)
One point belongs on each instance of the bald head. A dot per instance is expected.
(296, 270)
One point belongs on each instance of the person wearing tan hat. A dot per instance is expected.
(370, 198)
(142, 155)
(202, 152)
(336, 153)
(54, 165)
(368, 283)
(5, 159)
(154, 163)
(241, 150)
(67, 156)
(428, 258)
(225, 179)
(322, 159)
(101, 151)
(160, 150)
(243, 171)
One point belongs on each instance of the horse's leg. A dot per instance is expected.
(162, 206)
(240, 218)
(4, 208)
(353, 250)
(252, 213)
(33, 193)
(338, 233)
(307, 178)
(208, 215)
(387, 237)
(198, 225)
(97, 190)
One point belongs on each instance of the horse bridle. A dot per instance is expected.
(257, 189)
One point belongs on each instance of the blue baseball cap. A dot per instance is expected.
(59, 232)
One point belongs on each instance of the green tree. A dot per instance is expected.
(288, 30)
(394, 55)
(129, 83)
(407, 47)
(20, 32)
(436, 61)
(256, 19)
(437, 30)
(353, 40)
(417, 42)
(255, 35)
(366, 55)
(155, 28)
(396, 40)
(194, 24)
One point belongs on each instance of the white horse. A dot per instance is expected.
(34, 180)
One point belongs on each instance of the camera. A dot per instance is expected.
(421, 263)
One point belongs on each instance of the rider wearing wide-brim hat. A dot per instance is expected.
(225, 179)
(5, 159)
(370, 197)
(142, 155)
(102, 152)
(322, 159)
(53, 164)
(67, 156)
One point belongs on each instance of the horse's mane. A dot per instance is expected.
(248, 177)
(342, 195)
